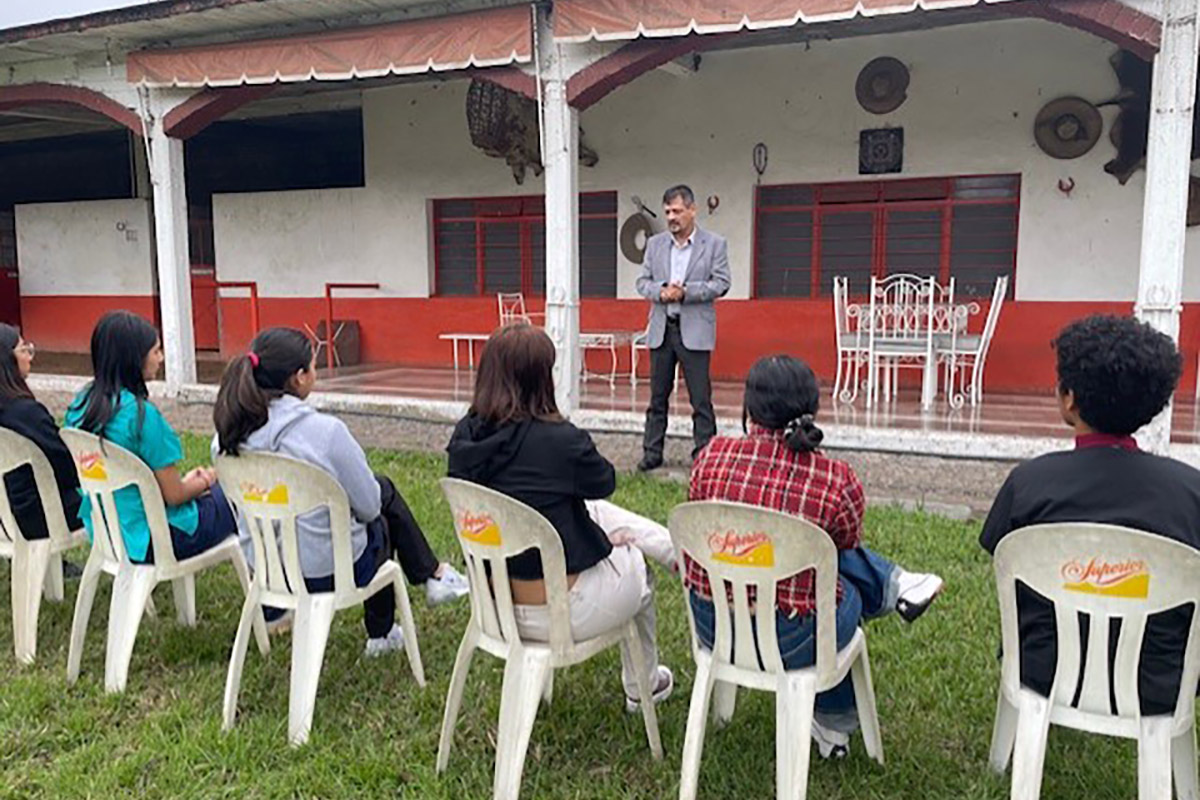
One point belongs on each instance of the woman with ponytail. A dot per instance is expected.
(260, 408)
(778, 465)
(21, 413)
(126, 352)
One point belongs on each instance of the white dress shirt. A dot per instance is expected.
(681, 257)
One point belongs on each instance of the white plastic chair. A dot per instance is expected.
(851, 342)
(491, 528)
(742, 546)
(970, 351)
(36, 563)
(105, 468)
(269, 491)
(1109, 573)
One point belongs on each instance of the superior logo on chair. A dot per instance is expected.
(742, 549)
(480, 529)
(91, 467)
(1129, 579)
(275, 496)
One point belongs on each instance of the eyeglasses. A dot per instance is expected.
(28, 348)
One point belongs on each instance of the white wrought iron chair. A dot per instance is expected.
(901, 334)
(851, 339)
(269, 491)
(492, 527)
(1110, 574)
(964, 351)
(36, 563)
(740, 547)
(511, 308)
(104, 469)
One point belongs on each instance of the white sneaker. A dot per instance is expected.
(917, 591)
(664, 683)
(451, 586)
(830, 744)
(387, 644)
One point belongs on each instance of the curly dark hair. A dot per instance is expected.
(1121, 371)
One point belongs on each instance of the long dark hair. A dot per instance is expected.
(782, 395)
(121, 341)
(253, 380)
(12, 385)
(515, 381)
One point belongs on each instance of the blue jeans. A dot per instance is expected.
(215, 524)
(869, 590)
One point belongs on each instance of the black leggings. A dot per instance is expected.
(394, 533)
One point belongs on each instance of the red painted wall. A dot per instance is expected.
(63, 323)
(405, 331)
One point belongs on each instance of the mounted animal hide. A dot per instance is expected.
(504, 124)
(1131, 130)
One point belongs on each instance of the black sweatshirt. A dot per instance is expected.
(30, 419)
(1116, 486)
(552, 467)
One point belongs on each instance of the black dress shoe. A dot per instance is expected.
(649, 462)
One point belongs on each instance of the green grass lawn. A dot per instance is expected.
(375, 733)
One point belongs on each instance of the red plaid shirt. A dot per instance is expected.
(761, 470)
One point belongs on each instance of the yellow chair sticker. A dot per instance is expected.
(91, 467)
(480, 529)
(275, 496)
(742, 549)
(1128, 579)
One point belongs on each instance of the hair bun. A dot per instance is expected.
(803, 435)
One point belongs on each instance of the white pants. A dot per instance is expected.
(610, 594)
(626, 527)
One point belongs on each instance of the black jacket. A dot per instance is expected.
(1107, 485)
(550, 466)
(30, 419)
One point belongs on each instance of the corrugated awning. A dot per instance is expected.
(606, 20)
(494, 37)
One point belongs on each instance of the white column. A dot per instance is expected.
(1168, 167)
(171, 250)
(560, 142)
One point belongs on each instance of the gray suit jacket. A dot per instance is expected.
(707, 278)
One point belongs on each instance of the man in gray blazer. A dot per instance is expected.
(684, 270)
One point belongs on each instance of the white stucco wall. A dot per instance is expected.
(100, 247)
(293, 242)
(974, 94)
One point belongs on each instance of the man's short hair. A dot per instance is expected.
(1121, 371)
(683, 192)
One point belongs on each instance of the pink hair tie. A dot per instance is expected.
(253, 356)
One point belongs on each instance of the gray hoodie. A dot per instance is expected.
(298, 430)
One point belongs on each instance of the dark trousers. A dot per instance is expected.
(216, 524)
(406, 540)
(662, 381)
(865, 576)
(394, 533)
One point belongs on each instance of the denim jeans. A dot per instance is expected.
(869, 590)
(215, 523)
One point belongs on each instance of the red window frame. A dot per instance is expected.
(529, 210)
(880, 198)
